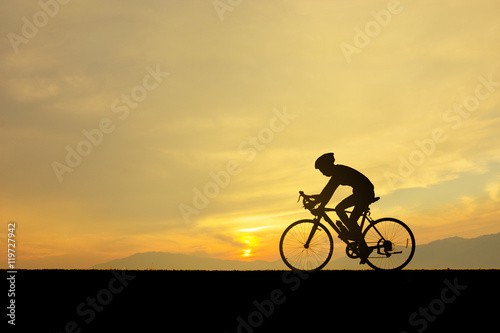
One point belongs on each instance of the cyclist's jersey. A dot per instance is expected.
(344, 175)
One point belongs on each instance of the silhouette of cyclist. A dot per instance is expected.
(362, 196)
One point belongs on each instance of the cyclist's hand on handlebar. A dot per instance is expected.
(310, 202)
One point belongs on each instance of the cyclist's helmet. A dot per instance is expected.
(324, 160)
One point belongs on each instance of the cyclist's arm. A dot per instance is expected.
(325, 195)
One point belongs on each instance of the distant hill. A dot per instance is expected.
(165, 260)
(454, 253)
(457, 252)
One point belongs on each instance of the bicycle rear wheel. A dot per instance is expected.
(394, 242)
(294, 253)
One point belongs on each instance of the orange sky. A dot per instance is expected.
(176, 126)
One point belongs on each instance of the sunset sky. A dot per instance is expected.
(190, 126)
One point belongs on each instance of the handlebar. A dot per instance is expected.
(309, 201)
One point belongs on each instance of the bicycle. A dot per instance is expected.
(307, 245)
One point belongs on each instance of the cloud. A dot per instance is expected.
(493, 190)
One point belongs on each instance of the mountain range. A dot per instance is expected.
(179, 261)
(454, 253)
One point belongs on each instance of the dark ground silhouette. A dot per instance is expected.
(255, 301)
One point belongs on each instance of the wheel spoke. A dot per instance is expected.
(296, 256)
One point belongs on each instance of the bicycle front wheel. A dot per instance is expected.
(393, 244)
(294, 253)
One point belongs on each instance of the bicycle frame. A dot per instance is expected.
(366, 217)
(317, 219)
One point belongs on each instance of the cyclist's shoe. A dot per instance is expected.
(364, 252)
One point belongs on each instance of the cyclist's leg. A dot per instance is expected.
(354, 229)
(342, 206)
(361, 200)
(357, 211)
(360, 206)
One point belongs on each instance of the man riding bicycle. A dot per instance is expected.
(362, 196)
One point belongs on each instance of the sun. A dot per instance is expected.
(250, 242)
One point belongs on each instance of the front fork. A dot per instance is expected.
(313, 231)
(315, 227)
